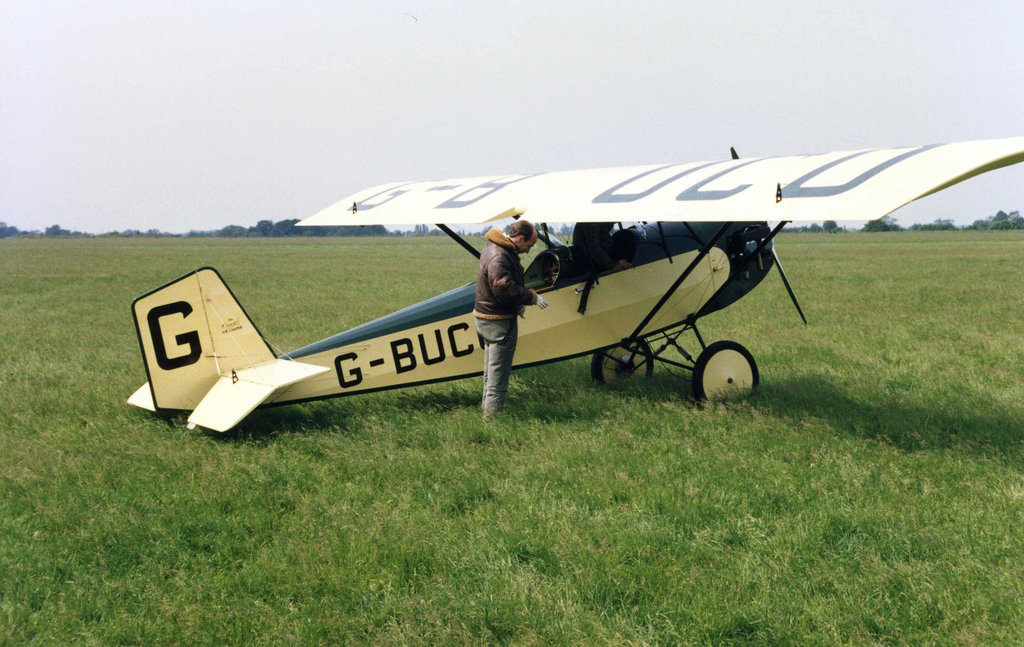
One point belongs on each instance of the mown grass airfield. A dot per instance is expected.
(871, 491)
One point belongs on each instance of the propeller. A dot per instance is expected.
(789, 288)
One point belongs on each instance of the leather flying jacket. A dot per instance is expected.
(499, 282)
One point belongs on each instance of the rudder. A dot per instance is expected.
(191, 332)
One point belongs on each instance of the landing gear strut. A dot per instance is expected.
(721, 370)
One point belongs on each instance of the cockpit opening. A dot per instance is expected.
(543, 271)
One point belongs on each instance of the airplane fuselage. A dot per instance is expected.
(436, 340)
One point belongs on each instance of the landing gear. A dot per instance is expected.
(622, 362)
(723, 369)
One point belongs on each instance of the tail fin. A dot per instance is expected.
(192, 332)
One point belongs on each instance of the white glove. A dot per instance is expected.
(541, 302)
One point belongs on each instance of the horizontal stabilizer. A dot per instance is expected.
(235, 395)
(143, 398)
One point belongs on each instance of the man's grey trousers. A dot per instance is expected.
(498, 338)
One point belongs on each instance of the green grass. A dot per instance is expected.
(871, 492)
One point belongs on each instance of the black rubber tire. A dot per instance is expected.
(724, 369)
(620, 363)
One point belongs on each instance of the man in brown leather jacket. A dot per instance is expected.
(500, 295)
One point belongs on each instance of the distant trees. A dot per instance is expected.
(938, 225)
(284, 228)
(263, 228)
(56, 230)
(287, 228)
(233, 231)
(885, 223)
(1001, 220)
(828, 227)
(8, 231)
(352, 230)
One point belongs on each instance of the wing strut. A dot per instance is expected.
(789, 288)
(664, 243)
(459, 239)
(682, 277)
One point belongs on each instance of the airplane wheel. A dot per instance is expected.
(621, 363)
(724, 369)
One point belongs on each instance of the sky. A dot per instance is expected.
(197, 114)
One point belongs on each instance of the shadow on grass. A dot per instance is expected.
(546, 394)
(347, 415)
(985, 427)
(264, 425)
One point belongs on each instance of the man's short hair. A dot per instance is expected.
(522, 228)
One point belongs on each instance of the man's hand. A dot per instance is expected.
(541, 302)
(622, 264)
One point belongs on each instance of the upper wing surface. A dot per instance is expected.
(848, 185)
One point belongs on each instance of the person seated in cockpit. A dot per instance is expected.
(593, 240)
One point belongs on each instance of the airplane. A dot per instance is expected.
(703, 238)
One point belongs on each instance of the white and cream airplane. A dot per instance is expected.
(704, 242)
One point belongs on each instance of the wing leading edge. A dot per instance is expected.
(847, 185)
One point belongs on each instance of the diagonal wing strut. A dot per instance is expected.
(789, 288)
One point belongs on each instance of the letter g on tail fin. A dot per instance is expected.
(191, 332)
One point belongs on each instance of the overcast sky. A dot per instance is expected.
(184, 115)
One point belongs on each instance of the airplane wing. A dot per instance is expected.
(848, 185)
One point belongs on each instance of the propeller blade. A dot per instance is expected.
(789, 288)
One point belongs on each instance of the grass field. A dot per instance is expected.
(870, 492)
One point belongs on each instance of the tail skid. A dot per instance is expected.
(203, 354)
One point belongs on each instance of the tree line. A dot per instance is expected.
(1000, 221)
(262, 229)
(286, 228)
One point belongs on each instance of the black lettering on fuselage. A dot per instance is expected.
(350, 378)
(405, 359)
(407, 354)
(427, 359)
(189, 339)
(404, 350)
(456, 352)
